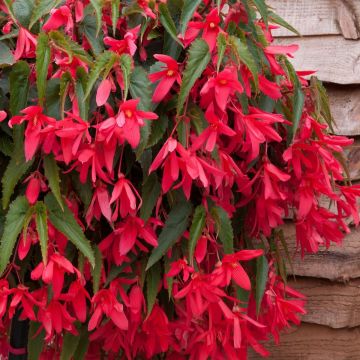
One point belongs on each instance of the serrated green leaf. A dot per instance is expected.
(244, 55)
(41, 8)
(14, 223)
(103, 61)
(199, 57)
(187, 13)
(125, 65)
(153, 278)
(158, 129)
(19, 87)
(97, 5)
(276, 19)
(53, 177)
(262, 269)
(64, 221)
(62, 42)
(22, 10)
(221, 47)
(262, 8)
(168, 22)
(6, 56)
(96, 271)
(196, 229)
(43, 55)
(150, 193)
(69, 346)
(42, 228)
(175, 226)
(35, 344)
(115, 12)
(80, 88)
(224, 228)
(52, 100)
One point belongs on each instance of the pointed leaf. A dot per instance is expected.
(42, 228)
(175, 226)
(262, 270)
(35, 341)
(97, 4)
(42, 65)
(96, 271)
(199, 57)
(262, 8)
(115, 12)
(150, 193)
(196, 229)
(41, 8)
(276, 19)
(52, 175)
(6, 56)
(168, 22)
(14, 222)
(224, 228)
(65, 222)
(153, 278)
(221, 47)
(19, 86)
(83, 344)
(187, 13)
(69, 346)
(125, 64)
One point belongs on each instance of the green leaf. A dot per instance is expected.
(187, 13)
(158, 129)
(196, 229)
(69, 346)
(83, 344)
(35, 341)
(150, 193)
(199, 57)
(42, 7)
(221, 47)
(175, 226)
(140, 87)
(97, 4)
(52, 175)
(42, 228)
(22, 10)
(80, 88)
(65, 222)
(276, 19)
(244, 55)
(153, 278)
(224, 228)
(103, 62)
(125, 65)
(262, 8)
(19, 87)
(52, 101)
(262, 269)
(115, 12)
(62, 42)
(6, 56)
(14, 223)
(96, 271)
(43, 55)
(168, 23)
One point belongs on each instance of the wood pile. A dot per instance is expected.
(330, 44)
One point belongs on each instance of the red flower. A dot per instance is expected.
(178, 266)
(61, 16)
(167, 77)
(125, 46)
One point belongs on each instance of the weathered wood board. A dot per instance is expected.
(335, 59)
(339, 263)
(336, 305)
(352, 155)
(315, 342)
(320, 17)
(345, 107)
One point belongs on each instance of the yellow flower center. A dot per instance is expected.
(128, 113)
(212, 25)
(222, 82)
(170, 73)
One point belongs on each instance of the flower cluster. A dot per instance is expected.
(153, 151)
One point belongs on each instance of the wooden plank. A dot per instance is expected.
(352, 155)
(335, 59)
(320, 17)
(339, 263)
(336, 305)
(345, 107)
(315, 342)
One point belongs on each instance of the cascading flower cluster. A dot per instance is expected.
(152, 151)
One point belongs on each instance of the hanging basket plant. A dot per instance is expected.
(150, 153)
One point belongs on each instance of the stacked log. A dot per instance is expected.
(330, 279)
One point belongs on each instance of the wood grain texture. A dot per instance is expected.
(320, 17)
(336, 305)
(335, 59)
(352, 155)
(345, 107)
(338, 263)
(315, 342)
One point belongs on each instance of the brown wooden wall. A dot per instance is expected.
(330, 44)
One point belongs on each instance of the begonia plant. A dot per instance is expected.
(151, 151)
